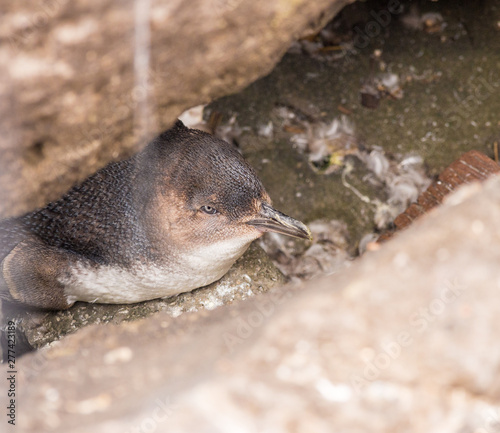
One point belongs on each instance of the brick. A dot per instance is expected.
(471, 166)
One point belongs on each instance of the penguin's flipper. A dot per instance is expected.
(32, 273)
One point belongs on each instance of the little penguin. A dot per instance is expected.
(170, 219)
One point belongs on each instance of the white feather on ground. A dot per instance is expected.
(326, 254)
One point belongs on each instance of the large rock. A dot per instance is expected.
(404, 340)
(86, 82)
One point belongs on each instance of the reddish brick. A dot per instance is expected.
(471, 166)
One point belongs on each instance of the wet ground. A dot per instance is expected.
(449, 75)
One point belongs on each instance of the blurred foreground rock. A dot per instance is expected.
(404, 340)
(87, 82)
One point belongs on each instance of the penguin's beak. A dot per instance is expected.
(271, 220)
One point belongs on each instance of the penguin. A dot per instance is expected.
(170, 219)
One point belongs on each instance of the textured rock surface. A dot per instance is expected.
(78, 90)
(252, 274)
(404, 340)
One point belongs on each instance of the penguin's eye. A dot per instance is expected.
(209, 210)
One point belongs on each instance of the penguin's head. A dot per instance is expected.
(210, 197)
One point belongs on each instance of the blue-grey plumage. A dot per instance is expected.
(172, 218)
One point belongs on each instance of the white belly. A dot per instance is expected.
(116, 285)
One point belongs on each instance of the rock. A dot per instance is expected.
(89, 82)
(253, 273)
(405, 339)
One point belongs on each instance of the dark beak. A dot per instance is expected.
(271, 220)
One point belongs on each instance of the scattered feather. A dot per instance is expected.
(193, 117)
(430, 22)
(229, 131)
(326, 254)
(326, 144)
(266, 130)
(402, 181)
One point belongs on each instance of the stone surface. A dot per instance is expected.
(404, 340)
(253, 273)
(87, 82)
